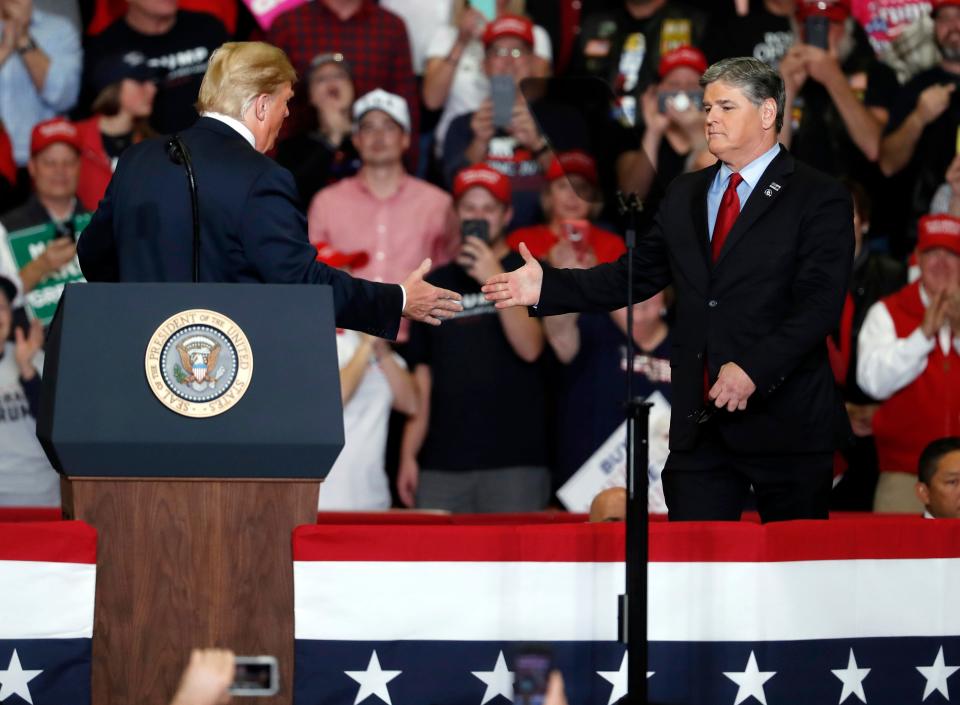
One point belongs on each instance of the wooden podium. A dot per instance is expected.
(194, 515)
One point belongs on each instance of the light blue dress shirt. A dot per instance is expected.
(751, 174)
(21, 107)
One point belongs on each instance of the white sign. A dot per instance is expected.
(607, 467)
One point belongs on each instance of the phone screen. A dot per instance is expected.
(478, 228)
(576, 232)
(815, 31)
(487, 8)
(531, 671)
(503, 93)
(255, 676)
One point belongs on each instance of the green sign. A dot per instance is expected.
(27, 245)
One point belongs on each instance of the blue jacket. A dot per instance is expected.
(251, 228)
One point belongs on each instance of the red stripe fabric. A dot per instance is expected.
(55, 542)
(8, 514)
(849, 538)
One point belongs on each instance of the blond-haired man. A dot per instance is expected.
(251, 227)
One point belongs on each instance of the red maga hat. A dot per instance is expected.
(940, 230)
(485, 177)
(937, 4)
(688, 56)
(833, 10)
(508, 26)
(573, 162)
(52, 131)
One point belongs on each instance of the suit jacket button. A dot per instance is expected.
(699, 355)
(712, 303)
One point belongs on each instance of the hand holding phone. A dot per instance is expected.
(487, 8)
(531, 674)
(478, 228)
(576, 232)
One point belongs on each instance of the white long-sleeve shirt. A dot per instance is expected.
(887, 363)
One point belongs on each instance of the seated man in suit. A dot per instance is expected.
(758, 248)
(251, 227)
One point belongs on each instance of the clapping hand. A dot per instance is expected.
(425, 302)
(521, 287)
(26, 346)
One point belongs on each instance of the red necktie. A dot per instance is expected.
(726, 215)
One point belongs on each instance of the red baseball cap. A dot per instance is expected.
(940, 230)
(688, 56)
(833, 10)
(335, 258)
(573, 162)
(508, 26)
(52, 131)
(485, 177)
(937, 4)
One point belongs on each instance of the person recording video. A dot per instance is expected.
(457, 455)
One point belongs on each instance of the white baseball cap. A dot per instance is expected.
(393, 105)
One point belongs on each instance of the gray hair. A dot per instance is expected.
(757, 81)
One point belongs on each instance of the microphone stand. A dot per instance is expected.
(179, 154)
(633, 604)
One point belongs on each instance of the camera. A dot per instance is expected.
(680, 100)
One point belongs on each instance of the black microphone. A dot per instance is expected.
(179, 154)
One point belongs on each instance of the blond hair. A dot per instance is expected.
(240, 71)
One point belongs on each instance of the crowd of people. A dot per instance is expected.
(415, 135)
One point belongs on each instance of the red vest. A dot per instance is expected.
(926, 409)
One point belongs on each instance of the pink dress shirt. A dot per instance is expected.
(397, 233)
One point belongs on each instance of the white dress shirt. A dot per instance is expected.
(887, 363)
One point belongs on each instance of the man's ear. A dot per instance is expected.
(923, 493)
(768, 113)
(260, 106)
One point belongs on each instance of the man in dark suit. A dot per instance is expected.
(758, 248)
(252, 229)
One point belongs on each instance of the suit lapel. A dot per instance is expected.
(768, 187)
(698, 210)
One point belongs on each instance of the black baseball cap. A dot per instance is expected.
(116, 67)
(8, 288)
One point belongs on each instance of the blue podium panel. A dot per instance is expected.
(192, 380)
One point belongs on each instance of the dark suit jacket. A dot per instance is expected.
(252, 229)
(768, 304)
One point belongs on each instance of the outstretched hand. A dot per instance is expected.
(521, 287)
(425, 302)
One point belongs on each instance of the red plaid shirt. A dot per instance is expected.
(374, 41)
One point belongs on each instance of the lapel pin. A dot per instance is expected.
(768, 193)
(774, 185)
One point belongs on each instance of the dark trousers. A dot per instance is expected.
(712, 483)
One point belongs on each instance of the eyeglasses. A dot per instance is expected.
(504, 53)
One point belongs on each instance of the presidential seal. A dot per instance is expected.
(199, 363)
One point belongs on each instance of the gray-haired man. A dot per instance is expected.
(758, 248)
